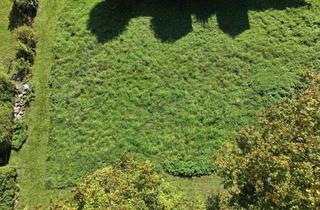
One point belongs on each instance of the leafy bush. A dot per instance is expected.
(130, 184)
(188, 168)
(25, 52)
(20, 69)
(277, 166)
(27, 7)
(6, 107)
(26, 36)
(20, 134)
(29, 97)
(8, 187)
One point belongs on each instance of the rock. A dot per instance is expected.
(19, 108)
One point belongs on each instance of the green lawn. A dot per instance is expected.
(7, 42)
(31, 159)
(197, 186)
(167, 81)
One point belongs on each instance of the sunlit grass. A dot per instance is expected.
(171, 99)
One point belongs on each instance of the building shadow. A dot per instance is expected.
(171, 19)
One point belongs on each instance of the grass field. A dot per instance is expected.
(7, 46)
(169, 81)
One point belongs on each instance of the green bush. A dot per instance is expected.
(29, 97)
(20, 69)
(6, 107)
(188, 168)
(25, 52)
(26, 36)
(130, 184)
(276, 166)
(20, 135)
(8, 187)
(27, 7)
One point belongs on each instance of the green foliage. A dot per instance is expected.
(20, 134)
(30, 96)
(132, 91)
(178, 166)
(277, 166)
(130, 184)
(27, 7)
(8, 187)
(6, 107)
(20, 69)
(26, 35)
(26, 53)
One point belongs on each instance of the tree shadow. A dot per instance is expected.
(19, 18)
(16, 19)
(171, 19)
(5, 153)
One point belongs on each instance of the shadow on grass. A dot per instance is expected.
(16, 19)
(5, 152)
(171, 19)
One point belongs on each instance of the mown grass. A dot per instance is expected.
(31, 159)
(170, 84)
(7, 41)
(7, 49)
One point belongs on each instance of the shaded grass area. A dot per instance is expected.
(171, 20)
(117, 86)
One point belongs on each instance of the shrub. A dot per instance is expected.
(6, 108)
(277, 166)
(8, 187)
(26, 35)
(128, 185)
(27, 7)
(6, 87)
(29, 97)
(25, 52)
(20, 69)
(188, 168)
(20, 134)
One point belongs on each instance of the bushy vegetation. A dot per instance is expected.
(129, 184)
(118, 85)
(8, 187)
(20, 69)
(277, 166)
(27, 7)
(20, 134)
(26, 35)
(27, 40)
(6, 107)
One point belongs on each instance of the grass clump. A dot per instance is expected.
(117, 84)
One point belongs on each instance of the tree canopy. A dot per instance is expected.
(277, 166)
